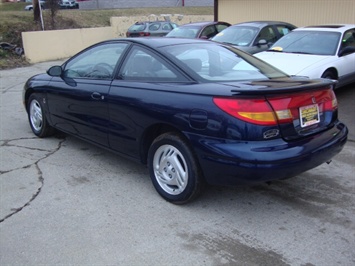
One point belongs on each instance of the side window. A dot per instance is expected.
(267, 34)
(348, 39)
(283, 30)
(143, 65)
(209, 31)
(97, 63)
(154, 26)
(221, 27)
(167, 26)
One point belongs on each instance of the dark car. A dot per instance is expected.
(203, 30)
(254, 36)
(150, 28)
(194, 111)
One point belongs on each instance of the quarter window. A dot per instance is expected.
(142, 65)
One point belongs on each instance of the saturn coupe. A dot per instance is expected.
(195, 112)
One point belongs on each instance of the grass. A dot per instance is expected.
(14, 20)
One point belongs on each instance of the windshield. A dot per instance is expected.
(185, 32)
(308, 42)
(240, 35)
(214, 62)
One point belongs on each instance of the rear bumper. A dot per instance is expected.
(226, 162)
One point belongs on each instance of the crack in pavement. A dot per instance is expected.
(36, 164)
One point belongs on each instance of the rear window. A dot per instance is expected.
(215, 62)
(137, 27)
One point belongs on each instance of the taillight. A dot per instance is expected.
(256, 111)
(281, 109)
(144, 34)
(127, 34)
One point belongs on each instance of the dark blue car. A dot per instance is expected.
(194, 111)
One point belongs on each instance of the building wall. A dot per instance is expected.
(108, 4)
(298, 12)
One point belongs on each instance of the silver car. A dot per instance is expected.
(254, 36)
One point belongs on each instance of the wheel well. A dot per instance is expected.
(29, 91)
(333, 70)
(150, 135)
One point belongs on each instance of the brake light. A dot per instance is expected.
(256, 111)
(272, 110)
(144, 34)
(127, 34)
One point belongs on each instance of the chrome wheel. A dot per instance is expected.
(35, 113)
(170, 169)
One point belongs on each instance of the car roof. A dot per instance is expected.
(328, 27)
(261, 23)
(153, 21)
(202, 23)
(156, 42)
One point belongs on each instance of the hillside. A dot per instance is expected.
(14, 20)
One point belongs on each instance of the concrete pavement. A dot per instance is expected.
(66, 202)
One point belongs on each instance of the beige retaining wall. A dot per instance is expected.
(40, 46)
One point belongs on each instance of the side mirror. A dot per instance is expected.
(55, 71)
(347, 50)
(262, 42)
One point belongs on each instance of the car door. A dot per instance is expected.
(268, 34)
(346, 62)
(78, 99)
(136, 97)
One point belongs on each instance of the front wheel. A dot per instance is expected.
(174, 169)
(37, 118)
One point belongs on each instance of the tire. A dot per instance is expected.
(174, 169)
(37, 118)
(328, 74)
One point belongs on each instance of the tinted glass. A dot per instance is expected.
(308, 42)
(221, 27)
(240, 35)
(137, 27)
(154, 26)
(184, 32)
(267, 34)
(214, 62)
(98, 62)
(143, 65)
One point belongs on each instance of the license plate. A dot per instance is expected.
(309, 115)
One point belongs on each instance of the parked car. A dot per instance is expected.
(254, 36)
(30, 7)
(231, 119)
(150, 28)
(203, 30)
(68, 4)
(325, 51)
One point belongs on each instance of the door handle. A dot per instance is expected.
(97, 96)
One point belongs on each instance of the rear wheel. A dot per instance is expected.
(174, 169)
(37, 118)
